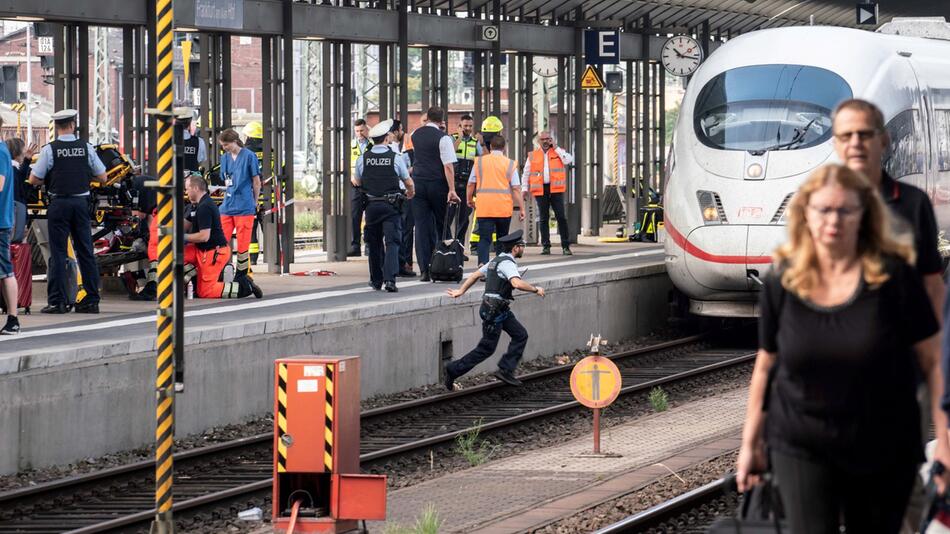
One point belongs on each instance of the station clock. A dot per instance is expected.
(681, 55)
(545, 66)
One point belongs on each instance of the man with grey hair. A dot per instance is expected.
(545, 178)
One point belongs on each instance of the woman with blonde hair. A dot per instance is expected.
(844, 320)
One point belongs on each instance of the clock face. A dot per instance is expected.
(681, 55)
(545, 66)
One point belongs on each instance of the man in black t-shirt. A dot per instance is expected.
(860, 142)
(206, 249)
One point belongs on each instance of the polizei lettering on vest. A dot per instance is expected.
(71, 152)
(190, 150)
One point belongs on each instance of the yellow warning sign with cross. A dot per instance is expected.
(591, 79)
(595, 381)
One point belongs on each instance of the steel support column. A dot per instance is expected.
(385, 111)
(478, 89)
(404, 65)
(285, 197)
(269, 91)
(579, 136)
(630, 200)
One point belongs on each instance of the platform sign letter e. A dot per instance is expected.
(602, 47)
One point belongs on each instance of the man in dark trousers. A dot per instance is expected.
(501, 278)
(358, 146)
(378, 174)
(66, 166)
(434, 175)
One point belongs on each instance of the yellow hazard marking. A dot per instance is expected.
(281, 417)
(328, 421)
(591, 79)
(595, 381)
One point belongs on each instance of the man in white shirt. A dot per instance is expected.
(545, 178)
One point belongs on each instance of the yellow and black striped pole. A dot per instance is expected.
(328, 421)
(165, 341)
(281, 417)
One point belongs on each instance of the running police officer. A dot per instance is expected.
(378, 174)
(66, 166)
(501, 278)
(467, 149)
(193, 146)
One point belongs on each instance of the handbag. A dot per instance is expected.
(760, 511)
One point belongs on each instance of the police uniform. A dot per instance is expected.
(496, 316)
(357, 149)
(193, 148)
(466, 152)
(66, 166)
(379, 172)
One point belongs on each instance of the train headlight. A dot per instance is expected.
(710, 206)
(754, 171)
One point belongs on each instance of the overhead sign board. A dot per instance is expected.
(602, 47)
(225, 14)
(592, 79)
(867, 13)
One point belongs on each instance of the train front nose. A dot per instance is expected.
(720, 258)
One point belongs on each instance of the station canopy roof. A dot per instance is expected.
(736, 16)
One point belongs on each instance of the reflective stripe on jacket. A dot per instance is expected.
(558, 174)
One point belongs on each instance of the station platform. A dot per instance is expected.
(76, 386)
(525, 492)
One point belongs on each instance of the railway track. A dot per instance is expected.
(122, 497)
(691, 512)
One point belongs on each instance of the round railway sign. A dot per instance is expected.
(595, 381)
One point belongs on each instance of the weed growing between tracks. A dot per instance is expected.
(659, 399)
(475, 451)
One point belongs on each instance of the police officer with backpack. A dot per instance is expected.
(501, 279)
(66, 166)
(378, 174)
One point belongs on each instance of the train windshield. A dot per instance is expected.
(768, 107)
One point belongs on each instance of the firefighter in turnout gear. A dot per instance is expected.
(501, 279)
(378, 174)
(466, 150)
(207, 250)
(66, 166)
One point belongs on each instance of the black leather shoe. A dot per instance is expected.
(86, 308)
(507, 378)
(354, 252)
(567, 251)
(255, 289)
(406, 272)
(464, 257)
(58, 309)
(425, 277)
(449, 381)
(545, 250)
(390, 287)
(376, 287)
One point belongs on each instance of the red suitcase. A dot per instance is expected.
(21, 256)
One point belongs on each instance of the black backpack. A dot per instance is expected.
(448, 256)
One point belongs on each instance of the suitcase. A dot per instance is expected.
(22, 258)
(448, 256)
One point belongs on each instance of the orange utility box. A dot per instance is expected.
(317, 482)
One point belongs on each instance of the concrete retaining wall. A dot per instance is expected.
(65, 410)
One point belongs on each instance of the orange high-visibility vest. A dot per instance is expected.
(536, 175)
(492, 186)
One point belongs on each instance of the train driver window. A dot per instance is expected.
(768, 107)
(905, 154)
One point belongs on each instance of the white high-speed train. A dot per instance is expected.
(756, 120)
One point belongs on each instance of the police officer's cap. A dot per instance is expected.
(381, 129)
(184, 114)
(65, 115)
(513, 239)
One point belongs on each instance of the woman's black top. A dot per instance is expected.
(844, 386)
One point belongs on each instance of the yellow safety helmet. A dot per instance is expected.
(253, 129)
(491, 124)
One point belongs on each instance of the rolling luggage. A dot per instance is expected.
(22, 259)
(448, 256)
(760, 511)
